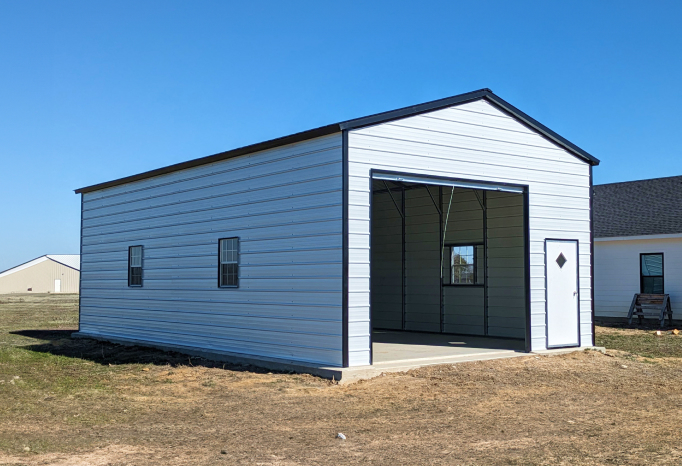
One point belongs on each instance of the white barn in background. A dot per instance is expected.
(460, 216)
(638, 243)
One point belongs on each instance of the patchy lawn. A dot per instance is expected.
(641, 341)
(81, 402)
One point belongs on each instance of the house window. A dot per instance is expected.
(651, 273)
(465, 268)
(135, 266)
(229, 263)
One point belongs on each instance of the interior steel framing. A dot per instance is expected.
(380, 175)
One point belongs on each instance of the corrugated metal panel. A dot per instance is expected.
(284, 204)
(487, 146)
(463, 310)
(387, 262)
(506, 266)
(462, 305)
(422, 262)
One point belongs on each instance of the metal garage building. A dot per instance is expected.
(459, 216)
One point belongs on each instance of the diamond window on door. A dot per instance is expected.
(561, 260)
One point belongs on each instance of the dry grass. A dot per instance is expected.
(641, 341)
(78, 402)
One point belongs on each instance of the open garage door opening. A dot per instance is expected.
(448, 268)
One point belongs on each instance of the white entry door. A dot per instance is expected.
(563, 317)
(57, 286)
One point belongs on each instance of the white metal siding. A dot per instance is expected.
(473, 141)
(285, 205)
(616, 273)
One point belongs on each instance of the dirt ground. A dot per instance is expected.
(81, 402)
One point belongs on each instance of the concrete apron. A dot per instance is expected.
(353, 374)
(342, 375)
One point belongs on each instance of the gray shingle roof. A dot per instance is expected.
(636, 208)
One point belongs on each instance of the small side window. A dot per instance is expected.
(135, 266)
(229, 263)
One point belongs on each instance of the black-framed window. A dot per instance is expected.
(464, 265)
(651, 273)
(135, 266)
(228, 273)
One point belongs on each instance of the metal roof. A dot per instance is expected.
(70, 260)
(356, 123)
(638, 208)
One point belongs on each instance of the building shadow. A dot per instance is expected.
(60, 343)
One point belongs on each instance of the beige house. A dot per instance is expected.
(51, 273)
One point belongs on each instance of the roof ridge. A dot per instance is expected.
(374, 119)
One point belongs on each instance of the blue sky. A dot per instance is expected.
(92, 91)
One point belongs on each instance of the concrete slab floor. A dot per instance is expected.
(393, 346)
(420, 349)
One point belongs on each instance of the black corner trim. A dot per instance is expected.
(80, 271)
(344, 246)
(526, 254)
(592, 254)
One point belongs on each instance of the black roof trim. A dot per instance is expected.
(542, 129)
(359, 123)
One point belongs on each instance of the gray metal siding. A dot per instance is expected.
(285, 205)
(463, 310)
(422, 262)
(462, 305)
(387, 244)
(506, 266)
(474, 141)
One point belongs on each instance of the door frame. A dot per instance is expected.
(433, 180)
(577, 278)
